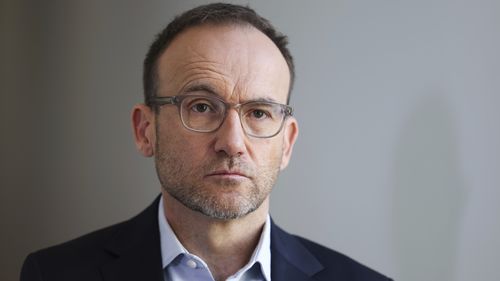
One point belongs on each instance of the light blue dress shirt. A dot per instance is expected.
(180, 265)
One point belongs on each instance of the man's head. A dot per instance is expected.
(217, 14)
(228, 171)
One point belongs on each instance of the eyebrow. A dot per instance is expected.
(211, 91)
(200, 88)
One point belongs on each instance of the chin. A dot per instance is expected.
(227, 206)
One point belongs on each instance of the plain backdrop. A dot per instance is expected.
(397, 163)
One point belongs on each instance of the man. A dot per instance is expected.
(217, 82)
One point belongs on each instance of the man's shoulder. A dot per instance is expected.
(335, 261)
(81, 258)
(323, 262)
(79, 255)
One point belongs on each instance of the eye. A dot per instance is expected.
(258, 114)
(200, 107)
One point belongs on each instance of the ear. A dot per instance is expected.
(291, 131)
(143, 124)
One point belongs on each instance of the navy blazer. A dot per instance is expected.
(131, 251)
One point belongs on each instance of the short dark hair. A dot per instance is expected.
(215, 13)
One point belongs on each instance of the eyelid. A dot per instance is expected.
(251, 110)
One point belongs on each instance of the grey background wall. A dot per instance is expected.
(397, 163)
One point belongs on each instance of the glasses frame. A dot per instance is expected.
(177, 101)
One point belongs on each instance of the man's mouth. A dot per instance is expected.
(228, 174)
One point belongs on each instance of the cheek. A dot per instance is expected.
(268, 151)
(193, 148)
(175, 139)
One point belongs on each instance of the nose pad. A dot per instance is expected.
(230, 137)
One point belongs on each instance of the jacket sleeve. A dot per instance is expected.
(30, 270)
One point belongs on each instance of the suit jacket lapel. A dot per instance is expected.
(137, 249)
(137, 253)
(290, 260)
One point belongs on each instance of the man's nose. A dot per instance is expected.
(230, 137)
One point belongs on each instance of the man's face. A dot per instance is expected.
(223, 174)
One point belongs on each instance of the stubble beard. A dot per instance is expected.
(187, 184)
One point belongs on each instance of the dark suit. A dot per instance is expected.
(131, 251)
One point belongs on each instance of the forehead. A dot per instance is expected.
(239, 62)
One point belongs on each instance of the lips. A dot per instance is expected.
(228, 173)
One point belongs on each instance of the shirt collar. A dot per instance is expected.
(171, 247)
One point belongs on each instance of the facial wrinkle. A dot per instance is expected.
(200, 71)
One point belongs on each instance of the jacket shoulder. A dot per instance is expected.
(76, 259)
(340, 265)
(82, 258)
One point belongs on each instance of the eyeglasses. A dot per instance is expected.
(205, 114)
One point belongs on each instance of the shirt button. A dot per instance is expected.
(191, 264)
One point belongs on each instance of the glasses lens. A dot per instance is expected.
(262, 119)
(202, 114)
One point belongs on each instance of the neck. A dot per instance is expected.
(225, 245)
